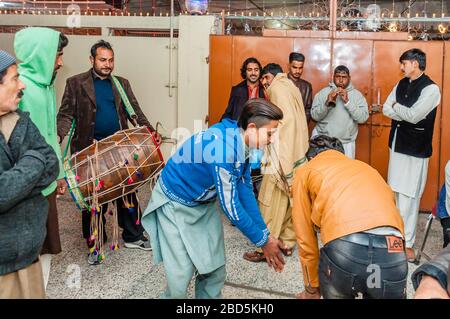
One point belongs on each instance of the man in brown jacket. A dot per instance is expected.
(92, 100)
(353, 209)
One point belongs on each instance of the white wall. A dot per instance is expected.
(193, 70)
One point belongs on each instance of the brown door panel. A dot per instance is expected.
(363, 143)
(357, 56)
(379, 149)
(266, 50)
(317, 69)
(220, 61)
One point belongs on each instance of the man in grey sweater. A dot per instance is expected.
(27, 166)
(338, 109)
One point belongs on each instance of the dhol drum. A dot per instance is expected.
(113, 167)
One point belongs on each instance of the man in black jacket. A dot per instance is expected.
(249, 88)
(27, 166)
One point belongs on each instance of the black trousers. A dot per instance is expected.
(127, 221)
(348, 270)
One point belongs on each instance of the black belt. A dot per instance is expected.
(378, 241)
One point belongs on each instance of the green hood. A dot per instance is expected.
(37, 57)
(36, 49)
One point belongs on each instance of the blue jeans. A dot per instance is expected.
(348, 270)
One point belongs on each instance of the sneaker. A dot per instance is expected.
(93, 260)
(140, 244)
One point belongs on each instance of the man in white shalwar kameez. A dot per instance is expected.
(412, 106)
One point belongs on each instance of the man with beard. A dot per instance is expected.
(93, 102)
(412, 106)
(296, 63)
(249, 88)
(40, 51)
(338, 109)
(27, 166)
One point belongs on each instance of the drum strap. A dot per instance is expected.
(125, 100)
(72, 128)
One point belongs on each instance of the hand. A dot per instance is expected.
(313, 293)
(273, 254)
(343, 94)
(430, 288)
(61, 186)
(331, 99)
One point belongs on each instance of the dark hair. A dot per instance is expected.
(321, 143)
(295, 56)
(341, 68)
(100, 44)
(272, 68)
(259, 111)
(247, 62)
(3, 73)
(415, 55)
(63, 42)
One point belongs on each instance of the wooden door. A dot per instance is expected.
(445, 117)
(220, 68)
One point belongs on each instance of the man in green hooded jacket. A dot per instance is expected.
(40, 50)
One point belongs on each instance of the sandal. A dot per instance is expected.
(288, 251)
(254, 256)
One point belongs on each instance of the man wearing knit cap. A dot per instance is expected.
(27, 166)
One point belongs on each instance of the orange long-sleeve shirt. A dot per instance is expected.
(340, 196)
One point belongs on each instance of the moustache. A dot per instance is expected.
(20, 94)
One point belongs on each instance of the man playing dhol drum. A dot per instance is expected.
(99, 105)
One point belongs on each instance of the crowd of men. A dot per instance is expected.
(278, 185)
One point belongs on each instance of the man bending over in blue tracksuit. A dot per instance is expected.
(210, 170)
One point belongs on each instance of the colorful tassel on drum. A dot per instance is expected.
(138, 222)
(110, 212)
(138, 174)
(135, 156)
(77, 178)
(130, 181)
(131, 210)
